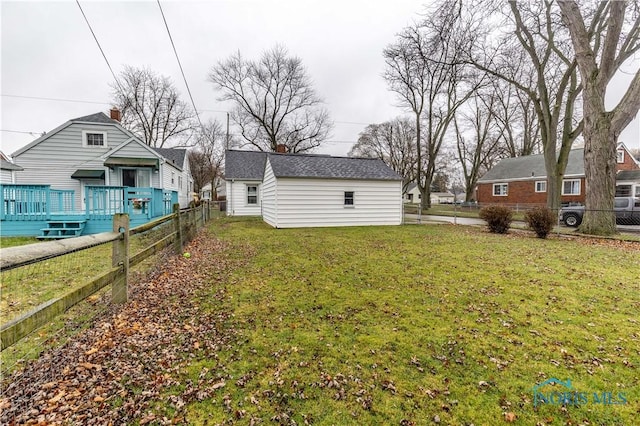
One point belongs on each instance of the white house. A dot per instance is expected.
(97, 150)
(303, 190)
(243, 175)
(182, 177)
(8, 169)
(412, 195)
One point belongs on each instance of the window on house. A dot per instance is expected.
(348, 198)
(94, 138)
(620, 156)
(410, 197)
(500, 189)
(180, 183)
(252, 194)
(173, 178)
(541, 186)
(623, 191)
(571, 187)
(638, 191)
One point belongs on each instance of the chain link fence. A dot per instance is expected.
(52, 290)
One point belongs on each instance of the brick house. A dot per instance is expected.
(523, 180)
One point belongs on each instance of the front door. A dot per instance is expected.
(129, 177)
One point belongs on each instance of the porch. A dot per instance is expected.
(30, 210)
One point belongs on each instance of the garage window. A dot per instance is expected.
(252, 194)
(348, 198)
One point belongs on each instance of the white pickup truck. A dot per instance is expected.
(627, 210)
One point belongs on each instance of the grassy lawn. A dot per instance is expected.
(380, 325)
(16, 241)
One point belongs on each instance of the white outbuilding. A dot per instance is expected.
(304, 190)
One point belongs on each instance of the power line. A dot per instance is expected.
(55, 99)
(18, 131)
(40, 98)
(99, 47)
(179, 64)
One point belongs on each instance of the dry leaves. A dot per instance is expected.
(139, 346)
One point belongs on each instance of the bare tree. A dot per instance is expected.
(515, 116)
(534, 55)
(151, 107)
(423, 68)
(206, 159)
(274, 101)
(601, 48)
(394, 142)
(478, 137)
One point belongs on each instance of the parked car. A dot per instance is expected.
(627, 211)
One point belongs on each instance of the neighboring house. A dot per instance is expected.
(412, 195)
(78, 175)
(220, 193)
(523, 180)
(179, 180)
(97, 150)
(244, 171)
(304, 190)
(442, 198)
(8, 169)
(628, 183)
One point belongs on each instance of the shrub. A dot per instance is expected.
(541, 220)
(498, 218)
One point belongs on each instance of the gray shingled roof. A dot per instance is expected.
(530, 166)
(247, 165)
(175, 155)
(633, 175)
(326, 167)
(98, 117)
(8, 165)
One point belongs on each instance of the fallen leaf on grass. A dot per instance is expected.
(510, 417)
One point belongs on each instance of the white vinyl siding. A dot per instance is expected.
(296, 202)
(94, 139)
(571, 187)
(6, 176)
(500, 189)
(269, 197)
(237, 199)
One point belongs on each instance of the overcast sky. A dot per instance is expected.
(48, 52)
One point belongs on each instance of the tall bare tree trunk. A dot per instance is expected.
(599, 166)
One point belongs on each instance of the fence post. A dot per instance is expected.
(178, 229)
(120, 256)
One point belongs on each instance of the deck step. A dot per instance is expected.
(57, 229)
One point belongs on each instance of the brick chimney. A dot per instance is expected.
(116, 114)
(282, 148)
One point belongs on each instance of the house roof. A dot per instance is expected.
(8, 165)
(532, 166)
(246, 165)
(633, 175)
(327, 167)
(175, 155)
(98, 117)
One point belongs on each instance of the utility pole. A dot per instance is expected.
(227, 130)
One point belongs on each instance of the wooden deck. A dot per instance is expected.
(29, 210)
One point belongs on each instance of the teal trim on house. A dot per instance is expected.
(33, 210)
